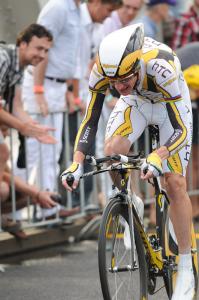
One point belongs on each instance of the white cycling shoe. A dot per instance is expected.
(140, 208)
(185, 285)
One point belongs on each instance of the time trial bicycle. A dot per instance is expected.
(131, 259)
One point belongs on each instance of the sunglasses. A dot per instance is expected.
(125, 80)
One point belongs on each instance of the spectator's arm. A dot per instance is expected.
(11, 121)
(39, 72)
(39, 75)
(41, 197)
(18, 109)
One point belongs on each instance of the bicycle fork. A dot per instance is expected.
(131, 229)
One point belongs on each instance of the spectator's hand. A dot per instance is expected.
(82, 107)
(70, 102)
(44, 199)
(76, 170)
(152, 167)
(5, 130)
(42, 103)
(38, 131)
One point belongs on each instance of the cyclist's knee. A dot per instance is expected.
(117, 145)
(175, 184)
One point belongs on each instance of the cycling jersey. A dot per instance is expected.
(160, 81)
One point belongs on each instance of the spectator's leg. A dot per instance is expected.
(4, 191)
(3, 157)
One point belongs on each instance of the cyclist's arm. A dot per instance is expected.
(169, 87)
(178, 138)
(88, 128)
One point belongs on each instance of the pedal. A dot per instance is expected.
(170, 263)
(154, 242)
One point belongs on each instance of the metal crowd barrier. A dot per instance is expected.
(29, 220)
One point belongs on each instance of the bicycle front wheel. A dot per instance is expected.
(120, 277)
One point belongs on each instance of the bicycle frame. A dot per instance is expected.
(156, 258)
(161, 259)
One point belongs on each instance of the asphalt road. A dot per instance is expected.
(61, 273)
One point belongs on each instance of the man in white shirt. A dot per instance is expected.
(93, 12)
(44, 87)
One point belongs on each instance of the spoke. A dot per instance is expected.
(120, 274)
(117, 289)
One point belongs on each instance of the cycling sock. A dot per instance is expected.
(185, 261)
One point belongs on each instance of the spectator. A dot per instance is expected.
(23, 192)
(119, 18)
(92, 12)
(187, 27)
(156, 12)
(44, 87)
(31, 48)
(122, 16)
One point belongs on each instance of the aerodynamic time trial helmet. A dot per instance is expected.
(120, 52)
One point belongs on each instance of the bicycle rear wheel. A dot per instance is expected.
(120, 278)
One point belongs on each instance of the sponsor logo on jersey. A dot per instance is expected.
(177, 133)
(163, 71)
(169, 81)
(85, 136)
(110, 72)
(109, 66)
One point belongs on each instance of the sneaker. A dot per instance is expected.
(185, 285)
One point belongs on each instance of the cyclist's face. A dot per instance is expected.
(124, 86)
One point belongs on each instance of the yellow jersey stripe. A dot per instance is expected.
(175, 164)
(125, 128)
(87, 117)
(184, 130)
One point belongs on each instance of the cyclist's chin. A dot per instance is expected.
(126, 91)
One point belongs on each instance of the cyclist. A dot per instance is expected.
(148, 76)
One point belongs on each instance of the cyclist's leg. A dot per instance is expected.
(180, 209)
(181, 212)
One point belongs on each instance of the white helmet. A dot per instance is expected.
(120, 52)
